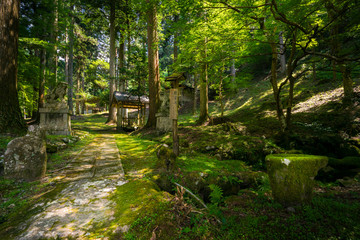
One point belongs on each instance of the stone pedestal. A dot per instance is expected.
(55, 116)
(292, 176)
(163, 121)
(55, 121)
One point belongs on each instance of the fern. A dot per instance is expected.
(216, 195)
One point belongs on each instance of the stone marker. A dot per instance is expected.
(25, 157)
(55, 116)
(292, 176)
(163, 121)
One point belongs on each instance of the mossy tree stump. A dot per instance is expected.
(292, 176)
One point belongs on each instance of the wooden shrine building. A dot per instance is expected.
(124, 100)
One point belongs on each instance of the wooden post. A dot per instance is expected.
(118, 121)
(138, 115)
(174, 102)
(122, 107)
(144, 114)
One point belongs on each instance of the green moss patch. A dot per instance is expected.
(140, 205)
(227, 142)
(198, 171)
(138, 156)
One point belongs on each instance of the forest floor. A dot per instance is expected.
(111, 185)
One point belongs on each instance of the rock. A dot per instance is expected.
(347, 182)
(66, 140)
(209, 148)
(292, 176)
(25, 157)
(166, 157)
(290, 209)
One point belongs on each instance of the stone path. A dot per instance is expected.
(82, 201)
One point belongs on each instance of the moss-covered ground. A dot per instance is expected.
(222, 163)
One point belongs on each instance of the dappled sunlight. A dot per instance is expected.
(245, 104)
(80, 203)
(320, 99)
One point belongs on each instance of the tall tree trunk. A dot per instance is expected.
(112, 85)
(82, 89)
(122, 86)
(153, 60)
(274, 84)
(122, 64)
(78, 89)
(221, 97)
(71, 62)
(204, 102)
(11, 119)
(195, 93)
(42, 81)
(347, 84)
(176, 50)
(54, 36)
(233, 71)
(292, 62)
(35, 84)
(282, 54)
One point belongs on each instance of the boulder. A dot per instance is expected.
(25, 157)
(292, 176)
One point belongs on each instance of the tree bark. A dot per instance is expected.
(204, 102)
(153, 61)
(274, 84)
(195, 93)
(122, 63)
(11, 119)
(233, 71)
(176, 50)
(282, 54)
(42, 80)
(82, 88)
(112, 85)
(78, 89)
(71, 63)
(221, 97)
(347, 84)
(54, 37)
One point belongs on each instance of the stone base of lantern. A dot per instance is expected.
(55, 121)
(163, 124)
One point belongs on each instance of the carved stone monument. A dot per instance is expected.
(163, 121)
(55, 116)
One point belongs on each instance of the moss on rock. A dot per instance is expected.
(292, 176)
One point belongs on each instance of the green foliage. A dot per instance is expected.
(4, 140)
(216, 195)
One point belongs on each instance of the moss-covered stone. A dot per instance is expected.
(166, 158)
(292, 176)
